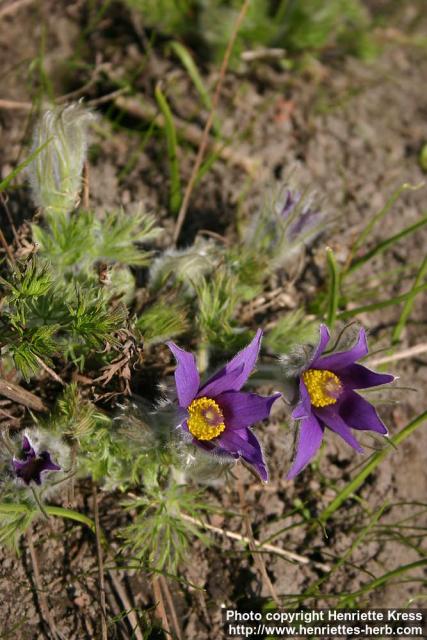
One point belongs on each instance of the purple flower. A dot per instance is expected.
(300, 222)
(31, 465)
(327, 398)
(218, 414)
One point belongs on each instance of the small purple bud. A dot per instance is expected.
(291, 200)
(32, 465)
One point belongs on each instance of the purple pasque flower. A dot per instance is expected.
(328, 398)
(30, 467)
(218, 414)
(302, 221)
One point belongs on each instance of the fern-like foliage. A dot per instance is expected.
(160, 535)
(161, 321)
(76, 243)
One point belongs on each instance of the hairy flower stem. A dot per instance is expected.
(39, 503)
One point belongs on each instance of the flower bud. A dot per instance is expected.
(55, 172)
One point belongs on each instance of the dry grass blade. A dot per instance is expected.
(160, 605)
(17, 394)
(171, 606)
(204, 142)
(130, 613)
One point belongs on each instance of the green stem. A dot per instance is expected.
(334, 287)
(344, 315)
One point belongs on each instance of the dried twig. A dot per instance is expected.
(17, 394)
(171, 607)
(260, 546)
(6, 247)
(108, 97)
(13, 105)
(130, 613)
(50, 371)
(204, 142)
(400, 355)
(44, 606)
(10, 219)
(100, 566)
(160, 605)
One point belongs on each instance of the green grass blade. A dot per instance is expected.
(377, 217)
(189, 64)
(385, 244)
(370, 466)
(172, 147)
(384, 579)
(345, 315)
(407, 308)
(192, 70)
(51, 511)
(334, 288)
(8, 179)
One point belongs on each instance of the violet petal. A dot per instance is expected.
(342, 359)
(30, 470)
(244, 409)
(333, 420)
(356, 376)
(186, 375)
(213, 388)
(303, 408)
(247, 357)
(358, 413)
(309, 440)
(321, 345)
(245, 444)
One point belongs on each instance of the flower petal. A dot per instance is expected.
(358, 413)
(309, 441)
(244, 409)
(321, 345)
(245, 444)
(330, 416)
(342, 359)
(48, 463)
(187, 377)
(214, 388)
(27, 449)
(226, 379)
(356, 376)
(303, 408)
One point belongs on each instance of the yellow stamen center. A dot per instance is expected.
(323, 386)
(205, 419)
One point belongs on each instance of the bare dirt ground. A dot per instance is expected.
(357, 130)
